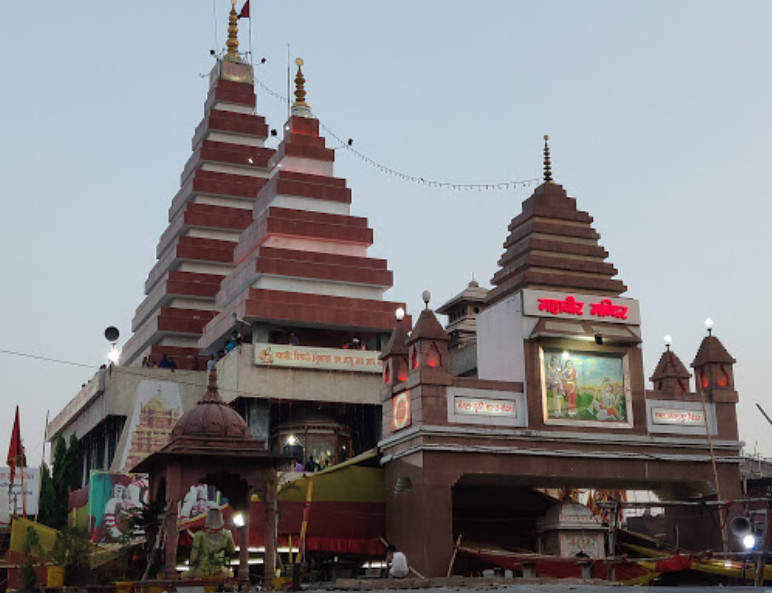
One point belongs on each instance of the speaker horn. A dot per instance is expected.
(741, 526)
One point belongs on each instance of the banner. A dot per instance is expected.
(31, 490)
(307, 357)
(157, 407)
(113, 501)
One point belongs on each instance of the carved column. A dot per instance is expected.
(268, 494)
(172, 536)
(244, 553)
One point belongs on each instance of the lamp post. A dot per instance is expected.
(111, 335)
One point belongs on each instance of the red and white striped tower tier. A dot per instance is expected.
(302, 261)
(218, 188)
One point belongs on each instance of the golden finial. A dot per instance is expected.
(233, 29)
(300, 107)
(547, 167)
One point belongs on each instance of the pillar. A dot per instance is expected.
(172, 537)
(268, 494)
(244, 553)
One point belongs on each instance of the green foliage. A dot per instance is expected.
(48, 503)
(30, 548)
(56, 484)
(71, 551)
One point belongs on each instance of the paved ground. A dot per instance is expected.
(581, 588)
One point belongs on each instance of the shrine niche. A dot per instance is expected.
(569, 529)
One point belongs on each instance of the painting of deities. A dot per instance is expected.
(582, 386)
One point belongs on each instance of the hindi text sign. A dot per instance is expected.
(307, 357)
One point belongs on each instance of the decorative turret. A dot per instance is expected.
(671, 375)
(395, 354)
(547, 164)
(300, 107)
(233, 29)
(462, 311)
(428, 343)
(713, 369)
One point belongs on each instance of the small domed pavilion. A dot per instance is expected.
(212, 444)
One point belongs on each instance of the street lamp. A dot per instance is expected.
(111, 335)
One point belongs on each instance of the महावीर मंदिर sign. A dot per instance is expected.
(678, 417)
(484, 407)
(540, 303)
(306, 357)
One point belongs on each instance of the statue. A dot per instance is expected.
(212, 548)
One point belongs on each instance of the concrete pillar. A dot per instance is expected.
(172, 537)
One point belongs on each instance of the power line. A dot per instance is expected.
(128, 370)
(436, 183)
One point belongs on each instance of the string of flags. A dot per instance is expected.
(348, 145)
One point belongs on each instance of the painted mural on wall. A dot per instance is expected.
(113, 501)
(157, 407)
(199, 499)
(583, 386)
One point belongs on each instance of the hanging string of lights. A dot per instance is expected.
(348, 145)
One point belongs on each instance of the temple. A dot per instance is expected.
(511, 426)
(553, 400)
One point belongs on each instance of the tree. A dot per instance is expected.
(56, 484)
(47, 514)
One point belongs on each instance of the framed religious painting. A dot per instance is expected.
(585, 388)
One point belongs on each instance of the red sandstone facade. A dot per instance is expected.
(454, 447)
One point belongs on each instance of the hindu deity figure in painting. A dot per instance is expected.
(555, 384)
(569, 385)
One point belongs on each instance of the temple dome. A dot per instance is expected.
(211, 417)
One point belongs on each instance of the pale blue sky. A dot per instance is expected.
(659, 114)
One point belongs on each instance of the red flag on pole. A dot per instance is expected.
(244, 14)
(15, 454)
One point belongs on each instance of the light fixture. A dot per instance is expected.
(399, 313)
(292, 440)
(238, 520)
(566, 355)
(114, 355)
(668, 340)
(709, 325)
(250, 161)
(749, 541)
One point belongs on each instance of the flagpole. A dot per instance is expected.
(251, 55)
(23, 497)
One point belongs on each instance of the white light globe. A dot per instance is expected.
(709, 323)
(566, 355)
(238, 520)
(291, 440)
(114, 355)
(668, 339)
(399, 313)
(749, 541)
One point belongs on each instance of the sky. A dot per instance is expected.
(658, 111)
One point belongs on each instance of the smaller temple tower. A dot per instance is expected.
(670, 375)
(714, 378)
(462, 311)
